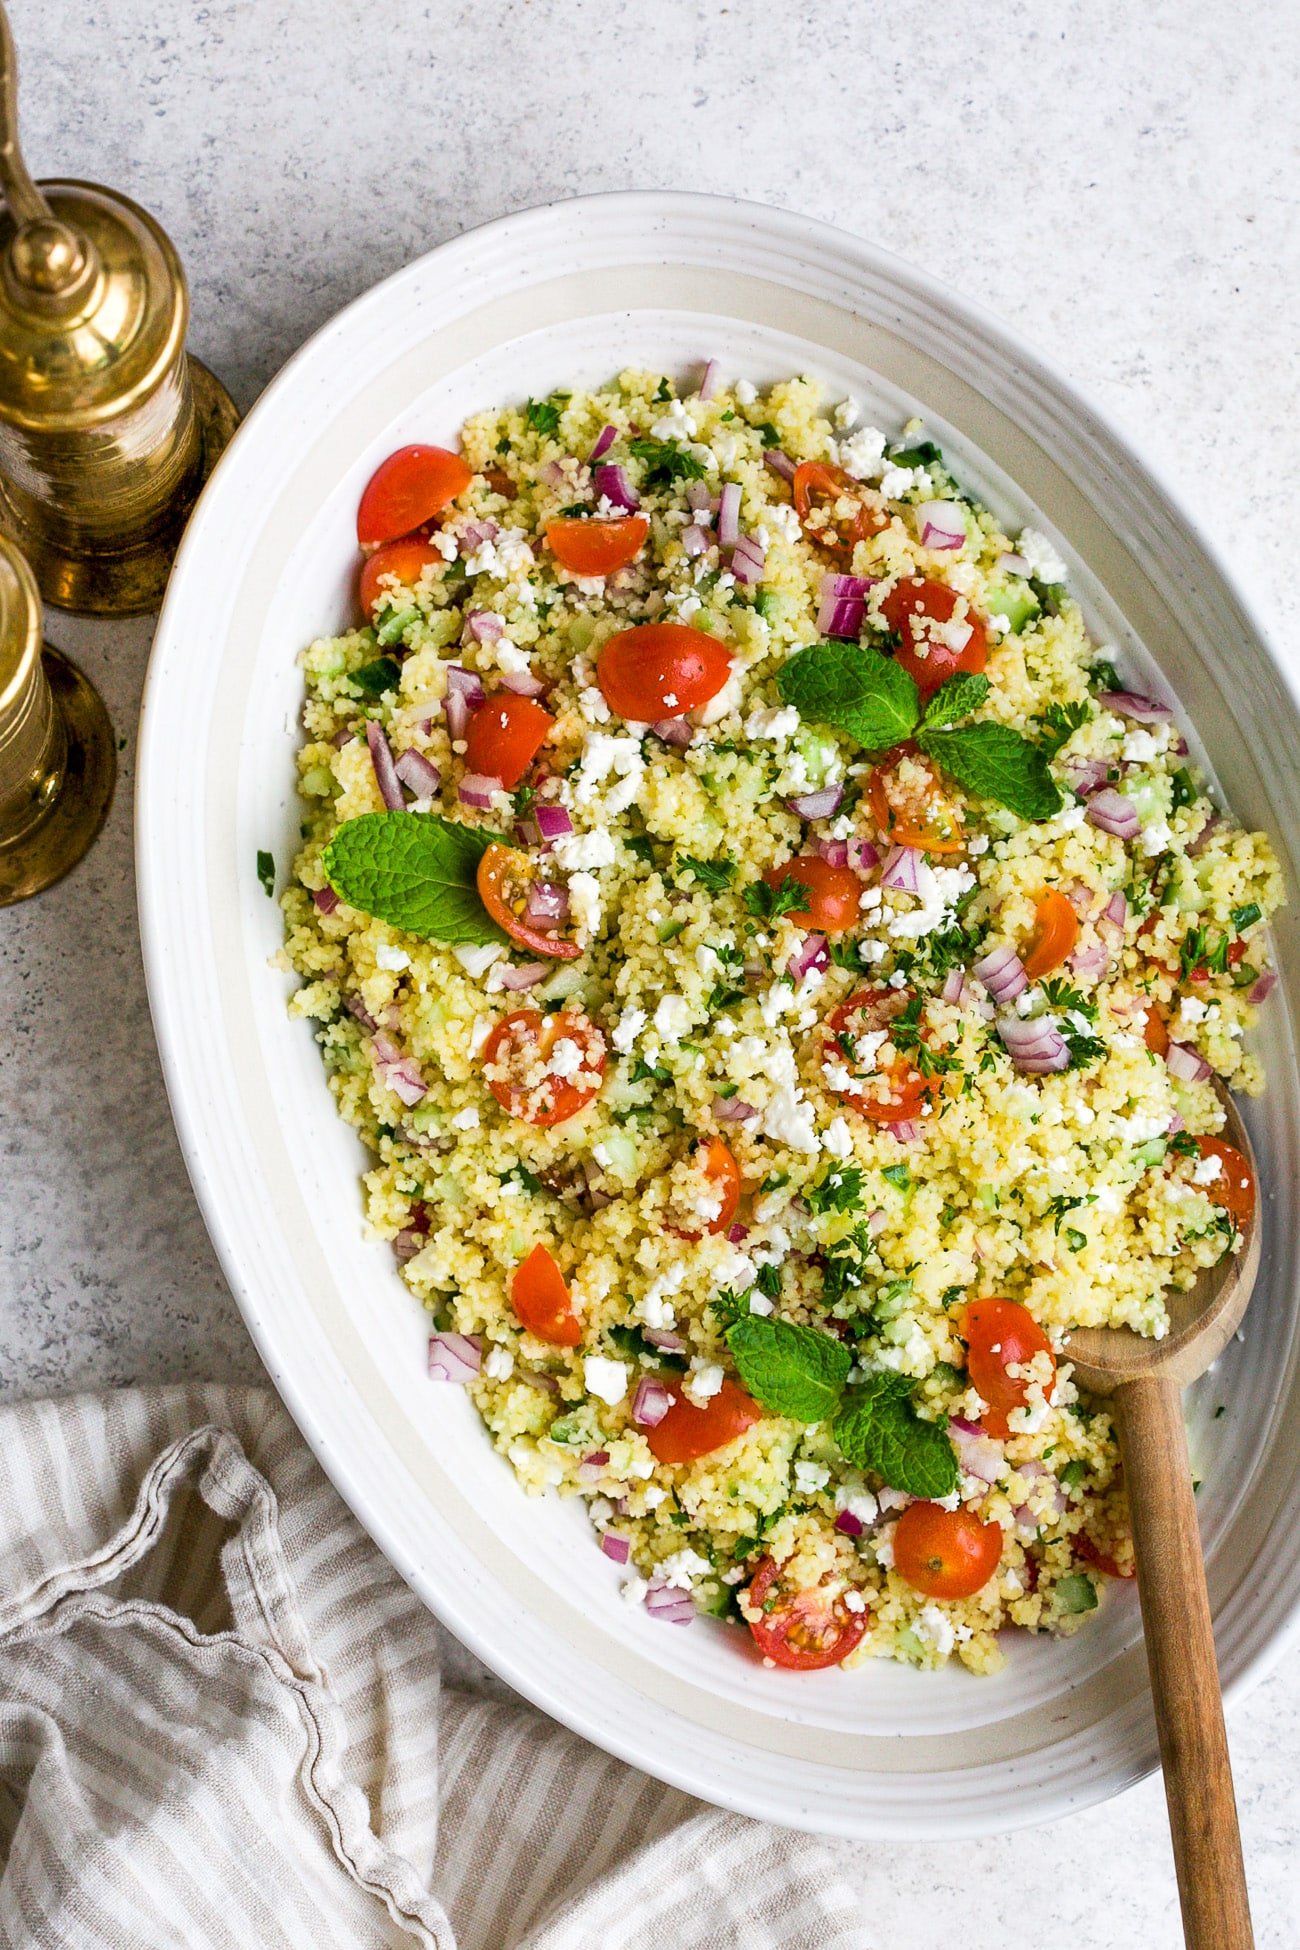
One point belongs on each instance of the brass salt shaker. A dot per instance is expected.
(108, 428)
(57, 757)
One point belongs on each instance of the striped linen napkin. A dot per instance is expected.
(221, 1724)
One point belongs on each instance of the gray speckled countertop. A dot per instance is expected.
(1121, 182)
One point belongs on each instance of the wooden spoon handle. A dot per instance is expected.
(1184, 1674)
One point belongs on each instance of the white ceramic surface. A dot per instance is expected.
(569, 293)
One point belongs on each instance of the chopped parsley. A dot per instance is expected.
(1060, 722)
(770, 903)
(266, 870)
(1198, 951)
(716, 875)
(543, 415)
(665, 462)
(839, 1189)
(769, 1281)
(1183, 788)
(1104, 677)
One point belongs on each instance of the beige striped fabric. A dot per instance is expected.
(223, 1723)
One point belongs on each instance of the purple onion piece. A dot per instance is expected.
(381, 757)
(1186, 1063)
(1116, 910)
(813, 953)
(834, 852)
(906, 1131)
(665, 1340)
(780, 463)
(517, 976)
(478, 789)
(615, 1547)
(612, 483)
(695, 540)
(326, 900)
(733, 1110)
(1035, 1046)
(604, 441)
(1264, 987)
(848, 1525)
(1132, 704)
(650, 1403)
(547, 904)
(822, 804)
(1002, 973)
(420, 773)
(863, 856)
(553, 822)
(484, 625)
(709, 379)
(1111, 812)
(729, 514)
(674, 731)
(455, 1357)
(522, 683)
(941, 525)
(669, 1605)
(902, 872)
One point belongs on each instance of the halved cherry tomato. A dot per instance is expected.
(660, 670)
(1056, 929)
(1091, 1554)
(836, 511)
(803, 1630)
(403, 559)
(1155, 1030)
(505, 735)
(408, 488)
(1233, 1186)
(590, 547)
(910, 806)
(920, 613)
(1001, 1334)
(502, 880)
(891, 1093)
(517, 1058)
(723, 1173)
(832, 892)
(686, 1432)
(539, 1295)
(945, 1553)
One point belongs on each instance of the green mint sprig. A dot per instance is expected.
(869, 696)
(802, 1373)
(415, 871)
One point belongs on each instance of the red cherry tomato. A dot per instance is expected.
(910, 806)
(802, 1630)
(660, 670)
(1056, 929)
(1233, 1187)
(588, 547)
(539, 1294)
(686, 1432)
(1102, 1560)
(404, 559)
(945, 1553)
(836, 511)
(503, 880)
(715, 1160)
(920, 613)
(505, 735)
(888, 1092)
(1001, 1334)
(832, 892)
(408, 488)
(516, 1063)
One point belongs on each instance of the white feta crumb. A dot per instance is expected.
(585, 851)
(863, 454)
(1206, 1169)
(628, 1028)
(810, 1477)
(465, 1120)
(473, 959)
(653, 1496)
(605, 1378)
(1040, 553)
(1142, 745)
(681, 1569)
(397, 958)
(1154, 838)
(936, 1627)
(566, 1058)
(746, 391)
(633, 1591)
(778, 723)
(672, 1017)
(704, 1381)
(585, 902)
(837, 1138)
(788, 1120)
(498, 1364)
(846, 413)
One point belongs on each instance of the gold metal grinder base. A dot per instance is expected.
(131, 581)
(58, 757)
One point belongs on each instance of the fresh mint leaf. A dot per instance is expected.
(415, 871)
(794, 1371)
(993, 762)
(957, 698)
(373, 679)
(878, 1429)
(266, 870)
(856, 689)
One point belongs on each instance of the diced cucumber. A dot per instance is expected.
(1013, 598)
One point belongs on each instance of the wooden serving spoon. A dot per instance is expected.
(1144, 1380)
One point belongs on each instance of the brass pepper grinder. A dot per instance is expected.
(107, 428)
(57, 757)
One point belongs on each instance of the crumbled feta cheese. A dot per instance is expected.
(682, 1568)
(633, 1591)
(585, 851)
(776, 723)
(656, 1311)
(592, 705)
(585, 902)
(734, 1269)
(1206, 1169)
(673, 1017)
(809, 1477)
(788, 1120)
(935, 1627)
(863, 454)
(1041, 555)
(1142, 745)
(837, 1139)
(1192, 1009)
(746, 391)
(1154, 838)
(704, 1381)
(498, 1364)
(895, 482)
(605, 1378)
(853, 1600)
(653, 1495)
(846, 413)
(397, 958)
(858, 1502)
(566, 1058)
(628, 1028)
(465, 1120)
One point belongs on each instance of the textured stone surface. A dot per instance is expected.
(1120, 182)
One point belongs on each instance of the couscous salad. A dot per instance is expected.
(781, 971)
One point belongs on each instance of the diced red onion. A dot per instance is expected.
(836, 582)
(1175, 1124)
(381, 757)
(1264, 987)
(1090, 959)
(650, 1403)
(420, 773)
(953, 985)
(546, 905)
(737, 1233)
(902, 874)
(733, 1110)
(840, 616)
(977, 1452)
(522, 683)
(1132, 704)
(553, 822)
(1186, 1063)
(546, 1382)
(611, 482)
(467, 684)
(475, 533)
(593, 1464)
(1111, 812)
(326, 900)
(863, 856)
(674, 731)
(666, 1341)
(604, 441)
(400, 1073)
(695, 540)
(941, 525)
(552, 473)
(1116, 910)
(748, 563)
(1012, 564)
(407, 1244)
(848, 1525)
(455, 1357)
(821, 804)
(907, 1131)
(729, 514)
(813, 953)
(780, 463)
(615, 1546)
(484, 625)
(669, 1605)
(834, 852)
(1086, 775)
(709, 379)
(876, 1222)
(699, 498)
(1035, 1045)
(477, 789)
(521, 975)
(356, 1007)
